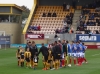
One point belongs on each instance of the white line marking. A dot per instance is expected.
(96, 54)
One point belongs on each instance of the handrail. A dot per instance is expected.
(29, 18)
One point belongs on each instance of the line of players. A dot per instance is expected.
(55, 55)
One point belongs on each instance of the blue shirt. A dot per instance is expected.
(83, 48)
(79, 48)
(74, 48)
(69, 48)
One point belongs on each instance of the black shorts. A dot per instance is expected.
(32, 58)
(58, 57)
(22, 57)
(27, 60)
(45, 58)
(49, 61)
(18, 58)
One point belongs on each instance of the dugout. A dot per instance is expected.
(10, 21)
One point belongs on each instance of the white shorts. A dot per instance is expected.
(83, 54)
(77, 54)
(62, 56)
(73, 54)
(69, 54)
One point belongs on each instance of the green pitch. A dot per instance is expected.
(8, 65)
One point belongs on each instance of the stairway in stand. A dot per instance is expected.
(76, 18)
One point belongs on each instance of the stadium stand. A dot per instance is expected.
(49, 19)
(90, 21)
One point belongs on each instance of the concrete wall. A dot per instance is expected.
(60, 2)
(12, 29)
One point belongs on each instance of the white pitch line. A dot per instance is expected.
(96, 54)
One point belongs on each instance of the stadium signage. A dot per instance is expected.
(86, 38)
(4, 39)
(34, 36)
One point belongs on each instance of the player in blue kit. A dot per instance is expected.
(79, 49)
(83, 53)
(69, 53)
(74, 50)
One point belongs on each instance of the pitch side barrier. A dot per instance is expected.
(92, 42)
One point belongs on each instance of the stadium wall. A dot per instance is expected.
(12, 29)
(60, 2)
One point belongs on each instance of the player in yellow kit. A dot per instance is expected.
(18, 55)
(27, 57)
(50, 58)
(22, 57)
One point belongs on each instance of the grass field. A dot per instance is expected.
(8, 65)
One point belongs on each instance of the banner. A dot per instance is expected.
(34, 36)
(86, 38)
(93, 46)
(4, 40)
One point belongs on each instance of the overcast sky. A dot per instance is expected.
(28, 3)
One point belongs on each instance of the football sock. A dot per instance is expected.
(70, 61)
(26, 64)
(18, 63)
(63, 62)
(84, 59)
(81, 60)
(44, 64)
(59, 63)
(54, 65)
(31, 63)
(48, 65)
(74, 61)
(78, 60)
(21, 64)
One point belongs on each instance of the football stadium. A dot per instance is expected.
(59, 36)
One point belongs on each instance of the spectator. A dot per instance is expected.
(68, 22)
(91, 17)
(85, 25)
(68, 16)
(44, 14)
(90, 33)
(29, 31)
(68, 7)
(32, 27)
(74, 4)
(57, 31)
(39, 28)
(35, 28)
(56, 36)
(64, 6)
(71, 15)
(64, 24)
(54, 15)
(65, 19)
(49, 14)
